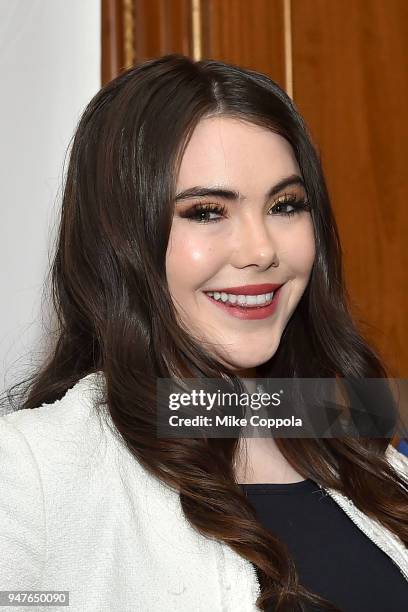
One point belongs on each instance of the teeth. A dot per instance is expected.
(243, 300)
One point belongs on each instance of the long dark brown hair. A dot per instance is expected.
(115, 313)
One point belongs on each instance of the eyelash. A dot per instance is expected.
(192, 213)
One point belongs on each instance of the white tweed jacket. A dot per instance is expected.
(78, 513)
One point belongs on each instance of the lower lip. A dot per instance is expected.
(253, 312)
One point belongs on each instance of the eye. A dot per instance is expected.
(289, 200)
(200, 212)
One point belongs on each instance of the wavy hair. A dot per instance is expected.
(115, 313)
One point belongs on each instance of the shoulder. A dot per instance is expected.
(70, 442)
(56, 439)
(76, 400)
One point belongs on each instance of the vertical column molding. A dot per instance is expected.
(196, 29)
(287, 28)
(128, 29)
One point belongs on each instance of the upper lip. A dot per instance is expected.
(248, 289)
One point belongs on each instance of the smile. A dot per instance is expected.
(244, 306)
(248, 301)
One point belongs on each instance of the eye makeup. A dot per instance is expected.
(200, 212)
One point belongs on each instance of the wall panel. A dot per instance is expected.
(350, 82)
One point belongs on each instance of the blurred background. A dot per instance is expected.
(343, 62)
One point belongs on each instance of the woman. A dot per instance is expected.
(191, 184)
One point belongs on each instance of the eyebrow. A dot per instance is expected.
(231, 194)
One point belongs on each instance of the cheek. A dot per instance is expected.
(191, 259)
(299, 248)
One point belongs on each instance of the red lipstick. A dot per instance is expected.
(248, 312)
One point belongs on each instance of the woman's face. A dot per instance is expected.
(238, 241)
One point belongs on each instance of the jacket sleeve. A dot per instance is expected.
(22, 517)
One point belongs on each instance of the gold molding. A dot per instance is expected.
(287, 28)
(128, 29)
(196, 27)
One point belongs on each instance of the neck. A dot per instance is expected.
(248, 373)
(247, 377)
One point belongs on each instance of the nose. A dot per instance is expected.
(254, 245)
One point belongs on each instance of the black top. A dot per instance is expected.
(333, 557)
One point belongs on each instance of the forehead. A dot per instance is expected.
(228, 150)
